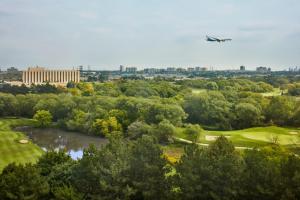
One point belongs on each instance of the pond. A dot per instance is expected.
(72, 142)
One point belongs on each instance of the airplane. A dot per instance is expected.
(212, 39)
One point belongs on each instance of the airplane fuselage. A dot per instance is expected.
(212, 39)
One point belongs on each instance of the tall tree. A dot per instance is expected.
(43, 118)
(148, 169)
(22, 182)
(280, 110)
(212, 173)
(104, 173)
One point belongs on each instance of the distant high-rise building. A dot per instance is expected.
(122, 68)
(294, 69)
(199, 69)
(150, 70)
(242, 68)
(191, 69)
(81, 68)
(131, 70)
(171, 70)
(263, 69)
(12, 70)
(179, 69)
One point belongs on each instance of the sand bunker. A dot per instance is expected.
(212, 137)
(293, 133)
(23, 141)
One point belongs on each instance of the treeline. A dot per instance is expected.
(294, 89)
(97, 115)
(138, 170)
(236, 110)
(231, 84)
(137, 88)
(102, 115)
(163, 88)
(23, 89)
(276, 81)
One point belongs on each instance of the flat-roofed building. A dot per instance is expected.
(38, 75)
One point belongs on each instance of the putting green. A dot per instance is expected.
(10, 148)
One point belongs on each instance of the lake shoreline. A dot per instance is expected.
(57, 139)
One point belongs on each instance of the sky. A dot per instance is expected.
(151, 33)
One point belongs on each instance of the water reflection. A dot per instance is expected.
(56, 139)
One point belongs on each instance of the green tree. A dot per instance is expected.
(86, 88)
(193, 132)
(280, 110)
(211, 86)
(164, 131)
(26, 104)
(79, 121)
(247, 115)
(103, 174)
(106, 127)
(212, 173)
(208, 109)
(296, 117)
(138, 129)
(120, 115)
(8, 105)
(43, 118)
(156, 113)
(22, 182)
(48, 102)
(262, 175)
(50, 160)
(66, 193)
(148, 169)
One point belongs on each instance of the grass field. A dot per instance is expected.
(252, 137)
(198, 91)
(242, 139)
(275, 92)
(10, 148)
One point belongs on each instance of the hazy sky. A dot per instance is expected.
(149, 33)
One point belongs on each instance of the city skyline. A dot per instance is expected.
(143, 68)
(149, 34)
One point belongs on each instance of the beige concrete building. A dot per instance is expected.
(38, 75)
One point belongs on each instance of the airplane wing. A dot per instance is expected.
(210, 39)
(224, 40)
(214, 38)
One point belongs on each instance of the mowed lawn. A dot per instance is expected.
(252, 137)
(275, 92)
(10, 148)
(198, 91)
